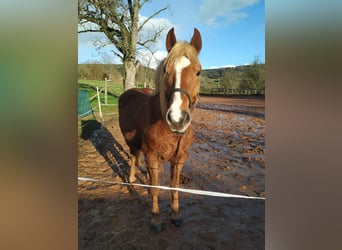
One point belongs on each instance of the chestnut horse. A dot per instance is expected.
(158, 123)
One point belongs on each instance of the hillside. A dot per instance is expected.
(247, 79)
(240, 77)
(100, 71)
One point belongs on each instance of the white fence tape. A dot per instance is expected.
(191, 191)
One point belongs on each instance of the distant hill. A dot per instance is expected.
(100, 71)
(240, 77)
(219, 72)
(223, 74)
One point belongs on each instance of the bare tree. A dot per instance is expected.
(119, 21)
(147, 60)
(108, 63)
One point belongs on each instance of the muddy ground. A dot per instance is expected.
(227, 155)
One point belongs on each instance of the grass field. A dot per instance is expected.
(115, 89)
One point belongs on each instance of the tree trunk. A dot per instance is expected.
(129, 59)
(130, 72)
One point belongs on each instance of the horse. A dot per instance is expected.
(157, 123)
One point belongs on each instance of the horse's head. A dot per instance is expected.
(179, 86)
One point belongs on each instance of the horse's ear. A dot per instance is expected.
(170, 39)
(196, 40)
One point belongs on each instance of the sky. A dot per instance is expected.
(232, 31)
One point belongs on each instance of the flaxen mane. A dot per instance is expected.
(178, 50)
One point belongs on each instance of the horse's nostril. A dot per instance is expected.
(186, 117)
(168, 117)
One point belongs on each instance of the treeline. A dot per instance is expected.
(115, 72)
(248, 79)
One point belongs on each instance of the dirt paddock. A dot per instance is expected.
(227, 155)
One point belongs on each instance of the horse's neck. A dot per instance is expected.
(153, 109)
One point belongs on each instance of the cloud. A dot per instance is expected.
(151, 60)
(217, 12)
(145, 56)
(87, 39)
(223, 66)
(151, 27)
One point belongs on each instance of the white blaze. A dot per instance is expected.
(177, 100)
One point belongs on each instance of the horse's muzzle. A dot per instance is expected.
(182, 124)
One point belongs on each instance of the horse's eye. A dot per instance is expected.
(198, 73)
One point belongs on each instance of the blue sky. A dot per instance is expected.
(233, 31)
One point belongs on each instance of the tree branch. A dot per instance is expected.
(84, 31)
(117, 54)
(153, 15)
(130, 8)
(142, 4)
(152, 39)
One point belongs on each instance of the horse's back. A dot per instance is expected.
(130, 102)
(131, 99)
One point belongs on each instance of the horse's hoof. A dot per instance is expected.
(132, 179)
(157, 228)
(157, 225)
(176, 220)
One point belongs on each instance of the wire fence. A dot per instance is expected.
(233, 91)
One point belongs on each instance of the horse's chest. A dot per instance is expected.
(168, 145)
(164, 147)
(166, 151)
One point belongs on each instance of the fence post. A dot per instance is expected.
(98, 99)
(105, 93)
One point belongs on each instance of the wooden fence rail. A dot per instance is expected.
(239, 91)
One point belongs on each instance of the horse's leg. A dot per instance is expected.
(136, 161)
(132, 168)
(175, 173)
(153, 168)
(140, 159)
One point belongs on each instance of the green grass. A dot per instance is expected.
(114, 91)
(113, 87)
